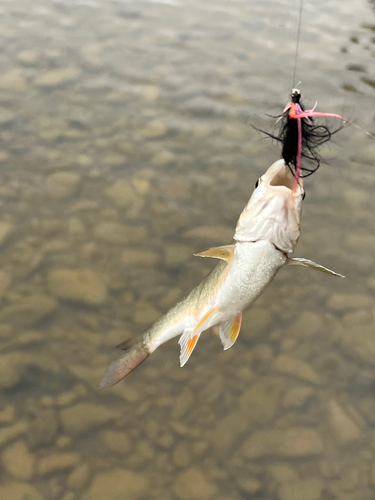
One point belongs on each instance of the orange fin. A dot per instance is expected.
(202, 323)
(229, 330)
(223, 253)
(187, 344)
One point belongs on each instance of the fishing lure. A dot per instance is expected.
(300, 137)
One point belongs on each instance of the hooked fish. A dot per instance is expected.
(266, 233)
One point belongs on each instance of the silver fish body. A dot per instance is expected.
(267, 230)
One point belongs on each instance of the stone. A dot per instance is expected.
(7, 415)
(118, 485)
(5, 281)
(119, 234)
(282, 472)
(228, 430)
(27, 57)
(297, 397)
(216, 234)
(56, 462)
(150, 93)
(193, 484)
(181, 456)
(85, 416)
(64, 442)
(290, 365)
(307, 325)
(43, 429)
(116, 442)
(175, 254)
(130, 257)
(18, 461)
(163, 158)
(123, 195)
(293, 443)
(19, 491)
(6, 116)
(144, 313)
(5, 231)
(77, 285)
(13, 366)
(260, 401)
(342, 302)
(306, 489)
(12, 432)
(57, 77)
(249, 485)
(343, 426)
(154, 130)
(28, 311)
(79, 478)
(62, 185)
(13, 80)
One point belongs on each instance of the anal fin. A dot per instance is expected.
(187, 345)
(229, 330)
(312, 265)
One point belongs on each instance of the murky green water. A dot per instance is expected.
(126, 145)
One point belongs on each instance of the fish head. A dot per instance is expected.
(274, 210)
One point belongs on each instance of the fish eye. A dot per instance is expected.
(257, 184)
(304, 195)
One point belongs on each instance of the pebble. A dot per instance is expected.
(85, 416)
(150, 93)
(297, 368)
(5, 281)
(123, 195)
(5, 231)
(19, 491)
(62, 185)
(260, 401)
(13, 80)
(181, 456)
(307, 489)
(192, 484)
(116, 442)
(57, 77)
(116, 485)
(249, 485)
(78, 285)
(12, 432)
(342, 425)
(227, 431)
(28, 57)
(282, 472)
(7, 415)
(56, 462)
(119, 234)
(163, 158)
(28, 311)
(6, 116)
(145, 313)
(175, 254)
(43, 429)
(18, 461)
(293, 442)
(79, 478)
(130, 257)
(342, 302)
(154, 130)
(297, 397)
(216, 234)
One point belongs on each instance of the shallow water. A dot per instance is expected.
(126, 145)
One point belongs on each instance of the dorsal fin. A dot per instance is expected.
(225, 253)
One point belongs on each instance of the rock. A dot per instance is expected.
(154, 130)
(62, 185)
(144, 313)
(227, 431)
(307, 489)
(12, 432)
(150, 93)
(216, 234)
(293, 442)
(181, 456)
(64, 442)
(297, 396)
(13, 366)
(297, 368)
(130, 257)
(119, 234)
(5, 231)
(77, 285)
(163, 158)
(260, 401)
(249, 485)
(28, 57)
(177, 254)
(57, 77)
(7, 415)
(118, 485)
(6, 116)
(5, 281)
(116, 442)
(192, 484)
(28, 311)
(13, 80)
(344, 428)
(79, 477)
(342, 302)
(7, 191)
(85, 416)
(19, 491)
(42, 430)
(18, 461)
(282, 472)
(183, 403)
(307, 324)
(123, 195)
(56, 462)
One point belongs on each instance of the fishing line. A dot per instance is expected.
(297, 43)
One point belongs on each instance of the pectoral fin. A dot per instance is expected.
(187, 345)
(312, 265)
(229, 330)
(224, 253)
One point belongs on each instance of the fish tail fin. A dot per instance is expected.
(136, 353)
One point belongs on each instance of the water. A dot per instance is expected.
(126, 145)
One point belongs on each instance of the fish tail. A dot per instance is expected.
(136, 353)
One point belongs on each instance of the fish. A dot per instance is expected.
(266, 233)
